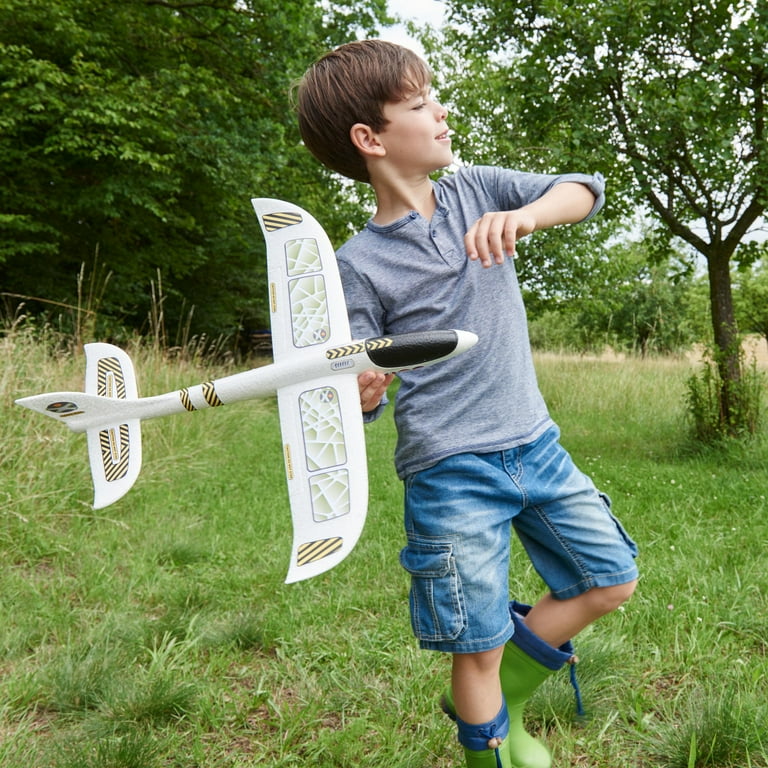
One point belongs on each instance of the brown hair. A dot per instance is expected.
(350, 85)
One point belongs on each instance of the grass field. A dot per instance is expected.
(158, 633)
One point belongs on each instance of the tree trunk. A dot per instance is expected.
(726, 336)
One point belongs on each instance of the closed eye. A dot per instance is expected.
(423, 99)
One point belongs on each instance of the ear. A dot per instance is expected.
(366, 140)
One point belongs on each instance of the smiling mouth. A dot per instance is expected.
(443, 136)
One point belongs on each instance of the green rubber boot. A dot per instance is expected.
(487, 758)
(478, 741)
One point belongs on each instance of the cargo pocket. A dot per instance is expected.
(436, 600)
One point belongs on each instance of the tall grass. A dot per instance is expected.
(158, 633)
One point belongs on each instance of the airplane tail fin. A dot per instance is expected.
(114, 449)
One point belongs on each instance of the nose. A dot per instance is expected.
(440, 111)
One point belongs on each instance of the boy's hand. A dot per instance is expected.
(494, 236)
(373, 385)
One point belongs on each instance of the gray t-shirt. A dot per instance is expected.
(414, 275)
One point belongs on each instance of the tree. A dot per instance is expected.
(134, 133)
(668, 98)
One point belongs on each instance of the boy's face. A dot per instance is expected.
(416, 136)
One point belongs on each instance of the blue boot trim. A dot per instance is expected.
(535, 647)
(544, 653)
(476, 736)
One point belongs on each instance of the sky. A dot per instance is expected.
(419, 11)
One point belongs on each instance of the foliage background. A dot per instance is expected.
(132, 136)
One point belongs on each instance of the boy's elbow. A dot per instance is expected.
(591, 200)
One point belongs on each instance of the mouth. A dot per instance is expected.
(445, 136)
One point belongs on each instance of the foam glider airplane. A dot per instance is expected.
(314, 374)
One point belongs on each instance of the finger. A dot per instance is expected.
(510, 241)
(496, 241)
(481, 241)
(364, 379)
(469, 242)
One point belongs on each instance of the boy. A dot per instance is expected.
(477, 450)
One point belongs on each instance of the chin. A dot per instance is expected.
(444, 163)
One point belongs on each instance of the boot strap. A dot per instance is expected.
(476, 736)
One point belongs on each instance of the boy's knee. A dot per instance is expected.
(625, 591)
(479, 663)
(607, 599)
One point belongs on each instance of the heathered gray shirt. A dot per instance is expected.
(414, 275)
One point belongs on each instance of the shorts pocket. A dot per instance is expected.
(436, 600)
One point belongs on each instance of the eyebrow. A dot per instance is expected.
(420, 93)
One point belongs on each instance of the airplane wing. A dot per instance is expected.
(320, 420)
(114, 450)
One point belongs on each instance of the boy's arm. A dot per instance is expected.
(494, 236)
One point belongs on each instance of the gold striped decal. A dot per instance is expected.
(382, 342)
(114, 452)
(288, 461)
(312, 551)
(273, 221)
(273, 297)
(185, 400)
(209, 393)
(109, 380)
(349, 349)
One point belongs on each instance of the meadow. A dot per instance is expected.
(158, 632)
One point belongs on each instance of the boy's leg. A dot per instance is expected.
(585, 557)
(479, 710)
(458, 523)
(557, 621)
(475, 684)
(540, 647)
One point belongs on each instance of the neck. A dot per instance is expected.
(396, 199)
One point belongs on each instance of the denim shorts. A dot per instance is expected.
(459, 516)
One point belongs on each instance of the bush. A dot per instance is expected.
(720, 409)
